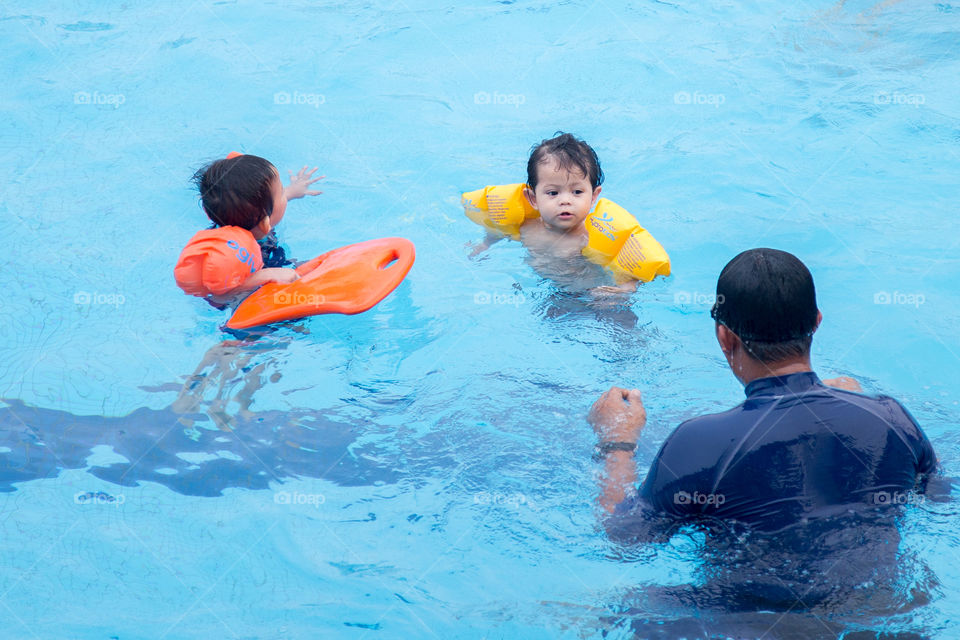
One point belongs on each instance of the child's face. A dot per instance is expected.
(564, 198)
(279, 200)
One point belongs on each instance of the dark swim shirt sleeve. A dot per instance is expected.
(914, 436)
(683, 473)
(676, 487)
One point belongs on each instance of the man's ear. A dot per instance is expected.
(728, 340)
(530, 196)
(819, 320)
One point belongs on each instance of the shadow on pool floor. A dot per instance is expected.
(188, 453)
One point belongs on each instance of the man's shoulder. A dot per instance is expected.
(710, 422)
(708, 433)
(883, 407)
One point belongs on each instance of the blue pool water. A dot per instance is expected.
(423, 469)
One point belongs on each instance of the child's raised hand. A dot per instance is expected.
(299, 183)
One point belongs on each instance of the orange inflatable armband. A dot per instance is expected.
(217, 260)
(347, 280)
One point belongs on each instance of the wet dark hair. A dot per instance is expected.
(570, 153)
(236, 191)
(768, 299)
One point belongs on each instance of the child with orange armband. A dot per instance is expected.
(245, 199)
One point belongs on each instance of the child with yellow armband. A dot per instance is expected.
(551, 215)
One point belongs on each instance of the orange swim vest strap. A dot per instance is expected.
(233, 154)
(217, 260)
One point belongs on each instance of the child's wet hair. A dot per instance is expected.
(236, 191)
(570, 152)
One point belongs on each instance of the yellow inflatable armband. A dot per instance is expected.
(619, 243)
(501, 208)
(615, 241)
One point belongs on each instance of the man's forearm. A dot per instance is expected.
(619, 477)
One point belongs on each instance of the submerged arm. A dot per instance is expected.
(488, 241)
(618, 478)
(628, 287)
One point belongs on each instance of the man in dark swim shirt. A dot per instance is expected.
(797, 450)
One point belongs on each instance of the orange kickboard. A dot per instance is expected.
(347, 280)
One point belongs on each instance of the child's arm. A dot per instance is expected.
(257, 280)
(488, 241)
(630, 286)
(262, 277)
(299, 183)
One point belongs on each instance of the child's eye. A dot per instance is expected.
(551, 193)
(578, 191)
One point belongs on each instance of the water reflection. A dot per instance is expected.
(607, 307)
